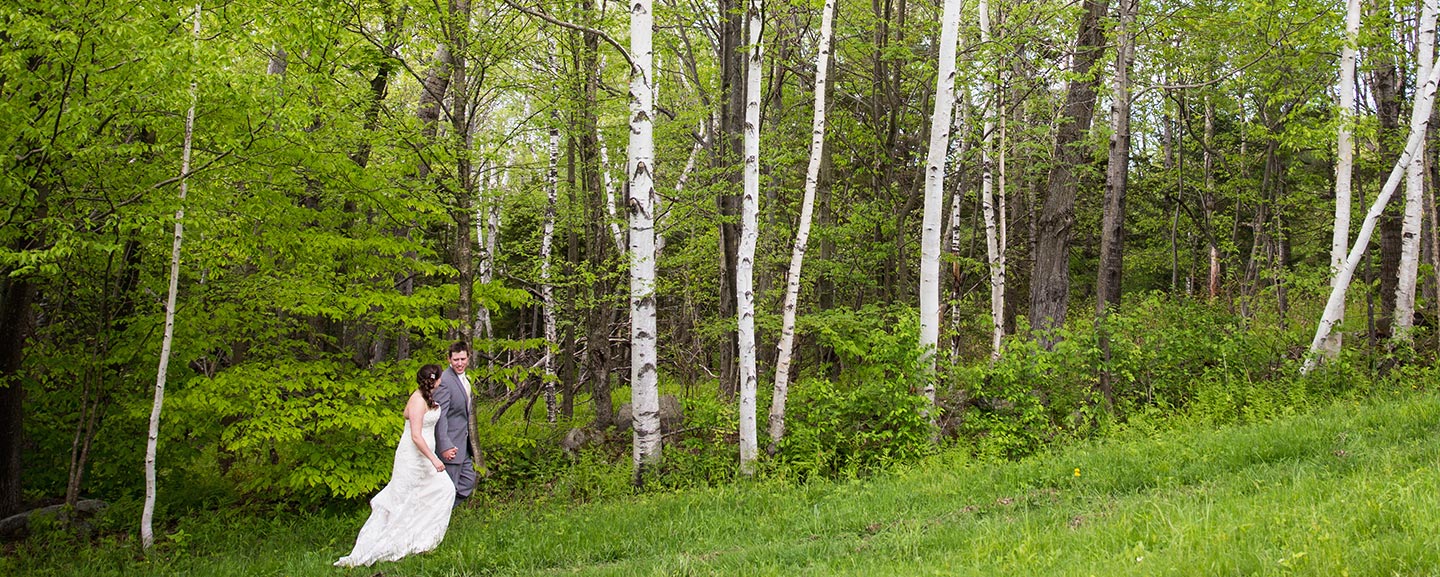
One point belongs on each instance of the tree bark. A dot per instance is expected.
(644, 386)
(1419, 121)
(1409, 273)
(994, 233)
(610, 193)
(1386, 87)
(1050, 273)
(17, 295)
(729, 159)
(432, 94)
(802, 232)
(934, 199)
(15, 328)
(547, 289)
(1345, 159)
(1117, 173)
(147, 532)
(749, 235)
(464, 192)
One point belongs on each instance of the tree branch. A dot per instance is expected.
(563, 24)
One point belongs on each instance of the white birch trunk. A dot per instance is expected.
(749, 235)
(489, 243)
(547, 291)
(1345, 160)
(1334, 311)
(610, 193)
(1000, 226)
(987, 202)
(960, 119)
(482, 328)
(644, 382)
(1345, 149)
(934, 195)
(802, 232)
(1404, 317)
(147, 515)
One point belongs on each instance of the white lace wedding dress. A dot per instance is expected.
(411, 513)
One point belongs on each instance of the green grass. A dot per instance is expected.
(1352, 489)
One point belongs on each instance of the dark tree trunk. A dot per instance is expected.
(1260, 234)
(1050, 273)
(372, 352)
(569, 370)
(825, 217)
(17, 294)
(601, 317)
(1282, 264)
(1117, 172)
(432, 94)
(464, 185)
(15, 326)
(729, 158)
(1386, 84)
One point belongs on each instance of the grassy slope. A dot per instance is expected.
(1349, 490)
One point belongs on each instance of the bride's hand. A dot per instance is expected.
(439, 467)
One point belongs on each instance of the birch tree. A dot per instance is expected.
(147, 515)
(1344, 161)
(749, 235)
(644, 385)
(482, 329)
(487, 211)
(934, 194)
(1414, 194)
(802, 232)
(960, 119)
(994, 250)
(1334, 311)
(610, 192)
(547, 290)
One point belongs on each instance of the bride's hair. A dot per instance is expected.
(428, 377)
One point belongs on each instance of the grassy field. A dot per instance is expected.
(1349, 490)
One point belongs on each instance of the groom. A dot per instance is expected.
(455, 431)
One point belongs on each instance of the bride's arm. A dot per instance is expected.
(415, 413)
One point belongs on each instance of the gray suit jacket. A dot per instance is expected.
(455, 429)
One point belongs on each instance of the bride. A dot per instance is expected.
(411, 513)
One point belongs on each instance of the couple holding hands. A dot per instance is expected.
(410, 515)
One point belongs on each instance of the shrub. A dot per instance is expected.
(872, 415)
(704, 452)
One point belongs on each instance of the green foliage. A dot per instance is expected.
(1299, 495)
(705, 454)
(872, 415)
(1166, 358)
(308, 429)
(314, 251)
(515, 459)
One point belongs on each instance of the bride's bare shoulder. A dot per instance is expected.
(415, 405)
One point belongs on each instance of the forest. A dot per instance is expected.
(696, 241)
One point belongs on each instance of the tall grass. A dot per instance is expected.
(1348, 489)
